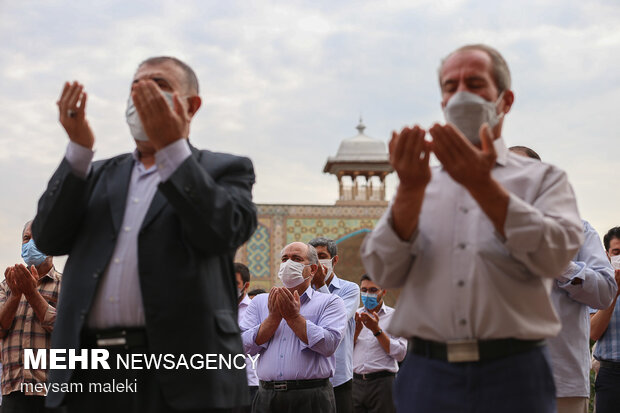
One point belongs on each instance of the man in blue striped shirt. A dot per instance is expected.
(605, 328)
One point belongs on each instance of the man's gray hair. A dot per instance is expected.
(311, 255)
(499, 70)
(26, 226)
(329, 244)
(191, 81)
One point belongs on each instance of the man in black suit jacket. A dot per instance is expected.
(151, 238)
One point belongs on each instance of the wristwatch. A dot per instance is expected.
(377, 333)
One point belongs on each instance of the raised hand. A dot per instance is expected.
(161, 124)
(288, 303)
(272, 303)
(10, 276)
(318, 279)
(72, 114)
(465, 163)
(26, 281)
(359, 324)
(409, 156)
(371, 321)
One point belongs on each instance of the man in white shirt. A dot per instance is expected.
(329, 283)
(242, 278)
(376, 353)
(588, 282)
(474, 245)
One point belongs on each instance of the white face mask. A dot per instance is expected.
(615, 262)
(291, 273)
(133, 119)
(330, 267)
(468, 111)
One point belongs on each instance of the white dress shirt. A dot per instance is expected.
(252, 377)
(350, 294)
(460, 279)
(369, 356)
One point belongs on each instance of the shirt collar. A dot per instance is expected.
(381, 310)
(335, 282)
(136, 157)
(501, 150)
(51, 274)
(246, 301)
(308, 293)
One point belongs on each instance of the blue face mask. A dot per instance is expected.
(369, 300)
(31, 255)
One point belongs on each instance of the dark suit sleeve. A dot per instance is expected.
(213, 200)
(60, 211)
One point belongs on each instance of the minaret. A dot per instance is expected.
(361, 165)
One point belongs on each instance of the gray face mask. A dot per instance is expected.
(468, 111)
(133, 119)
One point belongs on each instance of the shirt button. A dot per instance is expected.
(464, 209)
(127, 229)
(460, 283)
(462, 245)
(281, 356)
(136, 200)
(111, 299)
(462, 321)
(117, 260)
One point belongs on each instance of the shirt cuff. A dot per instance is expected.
(169, 158)
(314, 334)
(573, 271)
(79, 158)
(249, 341)
(49, 318)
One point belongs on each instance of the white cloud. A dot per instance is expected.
(285, 82)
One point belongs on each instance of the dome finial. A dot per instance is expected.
(360, 127)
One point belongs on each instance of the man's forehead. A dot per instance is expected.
(166, 70)
(295, 249)
(471, 60)
(321, 248)
(370, 284)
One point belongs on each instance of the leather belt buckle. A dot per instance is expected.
(112, 341)
(364, 376)
(280, 386)
(460, 351)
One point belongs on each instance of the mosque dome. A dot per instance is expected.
(361, 148)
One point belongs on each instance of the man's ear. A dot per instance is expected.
(334, 260)
(193, 104)
(313, 269)
(508, 99)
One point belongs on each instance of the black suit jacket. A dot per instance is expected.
(186, 246)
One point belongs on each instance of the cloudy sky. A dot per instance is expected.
(285, 81)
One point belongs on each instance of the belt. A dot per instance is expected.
(293, 384)
(120, 338)
(608, 364)
(375, 375)
(471, 350)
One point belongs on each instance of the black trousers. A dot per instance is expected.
(18, 402)
(344, 397)
(148, 396)
(315, 400)
(607, 388)
(373, 396)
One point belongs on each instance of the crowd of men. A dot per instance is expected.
(502, 283)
